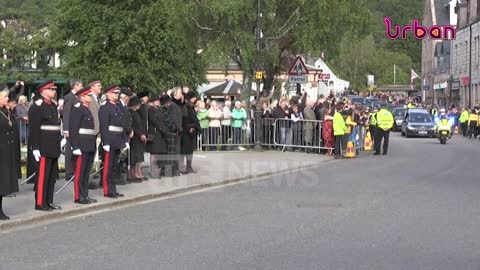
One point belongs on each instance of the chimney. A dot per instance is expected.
(462, 14)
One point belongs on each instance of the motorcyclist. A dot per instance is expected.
(444, 123)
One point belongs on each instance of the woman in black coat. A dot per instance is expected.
(160, 125)
(137, 143)
(9, 152)
(191, 126)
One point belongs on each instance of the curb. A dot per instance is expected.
(56, 216)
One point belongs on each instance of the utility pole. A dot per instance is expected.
(394, 74)
(258, 66)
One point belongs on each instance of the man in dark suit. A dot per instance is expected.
(94, 106)
(70, 100)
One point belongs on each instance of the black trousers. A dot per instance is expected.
(464, 127)
(47, 175)
(69, 161)
(83, 166)
(382, 135)
(473, 130)
(373, 133)
(339, 145)
(109, 161)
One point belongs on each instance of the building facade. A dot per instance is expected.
(465, 56)
(436, 54)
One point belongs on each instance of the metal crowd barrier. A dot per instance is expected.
(226, 137)
(305, 134)
(23, 131)
(285, 134)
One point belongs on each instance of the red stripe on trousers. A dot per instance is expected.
(106, 164)
(41, 181)
(76, 182)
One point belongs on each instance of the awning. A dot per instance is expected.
(228, 88)
(396, 88)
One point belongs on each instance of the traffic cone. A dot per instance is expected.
(368, 142)
(350, 151)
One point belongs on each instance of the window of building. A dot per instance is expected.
(477, 51)
(478, 8)
(455, 55)
(466, 56)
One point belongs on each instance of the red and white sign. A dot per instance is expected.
(298, 67)
(324, 76)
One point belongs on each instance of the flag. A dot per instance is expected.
(413, 75)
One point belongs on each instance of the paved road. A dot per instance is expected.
(417, 208)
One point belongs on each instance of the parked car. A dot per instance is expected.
(418, 122)
(379, 104)
(392, 107)
(358, 100)
(399, 115)
(369, 101)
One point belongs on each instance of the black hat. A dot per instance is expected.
(84, 91)
(126, 91)
(46, 85)
(94, 82)
(112, 88)
(190, 95)
(134, 101)
(143, 94)
(164, 99)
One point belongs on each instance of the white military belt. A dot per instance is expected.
(86, 131)
(50, 128)
(115, 129)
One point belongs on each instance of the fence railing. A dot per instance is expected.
(22, 131)
(285, 134)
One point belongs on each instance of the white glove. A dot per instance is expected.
(106, 148)
(63, 143)
(127, 145)
(36, 154)
(77, 152)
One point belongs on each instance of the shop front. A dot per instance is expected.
(440, 97)
(454, 96)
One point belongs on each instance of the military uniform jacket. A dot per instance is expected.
(112, 129)
(45, 134)
(82, 129)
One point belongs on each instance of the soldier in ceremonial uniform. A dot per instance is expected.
(83, 138)
(45, 137)
(113, 139)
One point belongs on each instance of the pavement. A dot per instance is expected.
(416, 208)
(214, 168)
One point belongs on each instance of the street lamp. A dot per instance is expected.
(258, 77)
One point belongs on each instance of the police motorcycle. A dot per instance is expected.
(444, 127)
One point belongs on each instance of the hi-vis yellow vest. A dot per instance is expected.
(385, 119)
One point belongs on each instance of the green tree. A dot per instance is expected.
(402, 12)
(383, 66)
(37, 12)
(226, 29)
(128, 42)
(355, 59)
(24, 46)
(23, 32)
